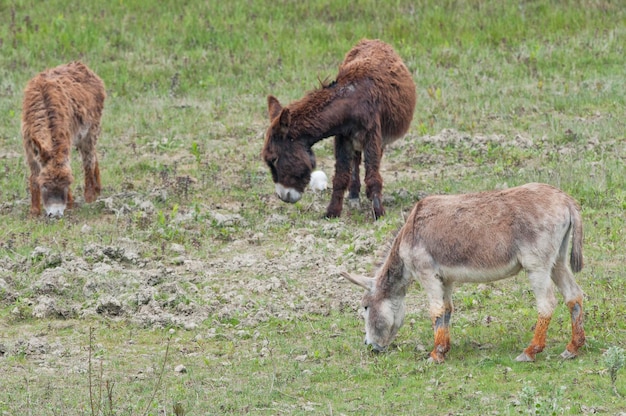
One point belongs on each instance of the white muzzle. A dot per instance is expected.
(288, 194)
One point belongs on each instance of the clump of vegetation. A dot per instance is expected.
(535, 404)
(614, 359)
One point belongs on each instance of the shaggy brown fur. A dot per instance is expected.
(480, 237)
(370, 104)
(62, 107)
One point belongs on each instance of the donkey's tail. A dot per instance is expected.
(576, 256)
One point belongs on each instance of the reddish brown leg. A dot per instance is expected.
(87, 149)
(538, 342)
(92, 183)
(35, 196)
(442, 337)
(578, 333)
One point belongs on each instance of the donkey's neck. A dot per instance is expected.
(393, 285)
(393, 278)
(318, 115)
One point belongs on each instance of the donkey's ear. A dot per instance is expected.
(285, 120)
(365, 282)
(273, 107)
(41, 148)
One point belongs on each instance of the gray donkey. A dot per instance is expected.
(480, 237)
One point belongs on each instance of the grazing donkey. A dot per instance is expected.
(480, 237)
(62, 107)
(368, 106)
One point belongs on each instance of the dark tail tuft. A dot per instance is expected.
(576, 258)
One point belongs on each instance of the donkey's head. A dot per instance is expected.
(54, 182)
(383, 312)
(288, 156)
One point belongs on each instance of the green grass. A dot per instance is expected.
(187, 83)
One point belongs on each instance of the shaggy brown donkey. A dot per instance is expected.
(62, 107)
(369, 105)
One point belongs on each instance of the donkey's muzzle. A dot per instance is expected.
(375, 347)
(288, 194)
(55, 211)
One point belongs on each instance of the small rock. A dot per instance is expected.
(223, 220)
(51, 281)
(177, 248)
(4, 286)
(45, 307)
(190, 326)
(177, 261)
(114, 253)
(108, 305)
(85, 229)
(146, 206)
(180, 369)
(33, 346)
(39, 252)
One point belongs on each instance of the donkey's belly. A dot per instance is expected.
(465, 274)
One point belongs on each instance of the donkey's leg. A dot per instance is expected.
(343, 157)
(35, 190)
(355, 182)
(373, 181)
(546, 302)
(573, 294)
(440, 309)
(87, 149)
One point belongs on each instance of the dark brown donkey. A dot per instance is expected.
(368, 106)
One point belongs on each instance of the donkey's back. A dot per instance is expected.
(375, 68)
(469, 235)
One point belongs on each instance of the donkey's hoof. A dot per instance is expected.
(568, 355)
(524, 358)
(435, 358)
(377, 207)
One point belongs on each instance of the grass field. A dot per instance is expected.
(189, 288)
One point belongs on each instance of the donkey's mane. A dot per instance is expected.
(383, 251)
(326, 83)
